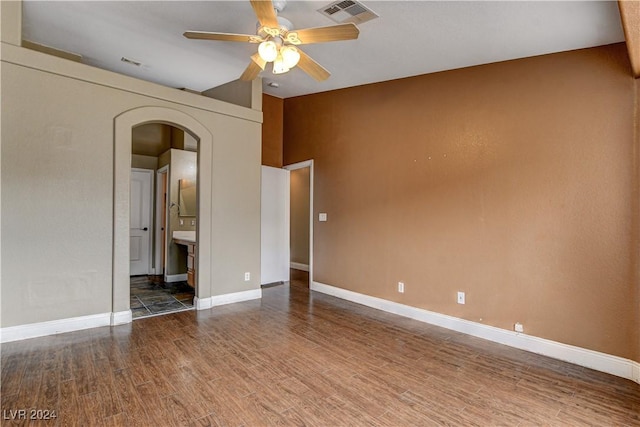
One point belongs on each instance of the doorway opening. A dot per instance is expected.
(301, 223)
(163, 220)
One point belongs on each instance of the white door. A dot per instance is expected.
(274, 220)
(140, 222)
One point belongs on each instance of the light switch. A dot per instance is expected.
(322, 217)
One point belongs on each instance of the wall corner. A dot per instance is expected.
(635, 329)
(272, 130)
(256, 94)
(630, 17)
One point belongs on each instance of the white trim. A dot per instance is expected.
(33, 330)
(121, 317)
(603, 362)
(202, 303)
(170, 278)
(216, 300)
(236, 297)
(299, 266)
(158, 211)
(301, 165)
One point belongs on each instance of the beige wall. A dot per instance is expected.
(11, 22)
(236, 92)
(299, 202)
(515, 182)
(58, 162)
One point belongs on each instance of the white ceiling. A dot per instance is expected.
(409, 38)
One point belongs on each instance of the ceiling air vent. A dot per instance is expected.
(348, 11)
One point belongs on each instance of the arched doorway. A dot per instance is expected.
(124, 123)
(163, 220)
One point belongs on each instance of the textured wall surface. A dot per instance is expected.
(58, 196)
(272, 109)
(514, 182)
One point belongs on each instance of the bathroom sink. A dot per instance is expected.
(188, 236)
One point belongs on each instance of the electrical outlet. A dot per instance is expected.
(193, 222)
(401, 287)
(182, 222)
(322, 217)
(247, 276)
(460, 297)
(518, 327)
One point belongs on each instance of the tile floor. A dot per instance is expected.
(151, 296)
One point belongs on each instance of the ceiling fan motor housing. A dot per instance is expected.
(284, 26)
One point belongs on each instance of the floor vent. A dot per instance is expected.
(344, 11)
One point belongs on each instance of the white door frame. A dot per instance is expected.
(159, 225)
(302, 165)
(150, 219)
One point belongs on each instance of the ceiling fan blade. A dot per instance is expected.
(205, 35)
(312, 68)
(323, 34)
(265, 12)
(251, 72)
(253, 69)
(258, 60)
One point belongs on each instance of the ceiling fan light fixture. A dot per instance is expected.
(279, 67)
(268, 50)
(290, 56)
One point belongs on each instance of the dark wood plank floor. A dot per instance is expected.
(299, 358)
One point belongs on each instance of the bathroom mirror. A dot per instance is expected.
(187, 197)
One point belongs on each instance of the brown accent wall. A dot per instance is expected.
(635, 232)
(272, 110)
(514, 182)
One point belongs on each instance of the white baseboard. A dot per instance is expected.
(236, 297)
(299, 266)
(204, 303)
(170, 278)
(33, 330)
(598, 361)
(121, 317)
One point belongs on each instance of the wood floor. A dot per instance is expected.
(299, 358)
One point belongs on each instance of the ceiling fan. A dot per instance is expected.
(278, 43)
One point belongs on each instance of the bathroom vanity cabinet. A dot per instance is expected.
(188, 239)
(191, 264)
